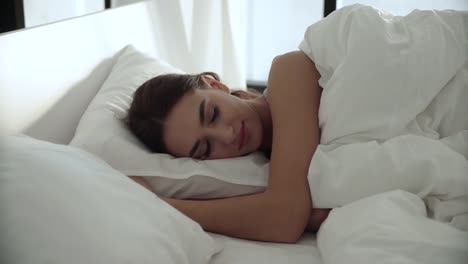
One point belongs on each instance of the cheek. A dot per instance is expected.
(256, 134)
(259, 133)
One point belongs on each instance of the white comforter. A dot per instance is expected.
(394, 146)
(391, 227)
(394, 108)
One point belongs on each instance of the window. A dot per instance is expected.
(276, 27)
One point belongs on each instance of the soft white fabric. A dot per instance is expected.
(339, 174)
(393, 108)
(204, 35)
(241, 251)
(60, 204)
(390, 227)
(381, 72)
(103, 132)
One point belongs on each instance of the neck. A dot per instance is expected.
(261, 106)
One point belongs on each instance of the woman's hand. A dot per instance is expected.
(316, 218)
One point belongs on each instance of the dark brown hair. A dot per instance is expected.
(155, 98)
(153, 101)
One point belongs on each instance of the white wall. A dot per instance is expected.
(38, 12)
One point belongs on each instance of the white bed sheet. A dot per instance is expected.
(240, 251)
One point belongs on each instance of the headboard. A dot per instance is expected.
(50, 73)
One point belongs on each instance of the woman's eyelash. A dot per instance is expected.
(215, 114)
(207, 151)
(208, 145)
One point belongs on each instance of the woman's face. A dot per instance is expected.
(212, 124)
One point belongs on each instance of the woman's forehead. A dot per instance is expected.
(182, 123)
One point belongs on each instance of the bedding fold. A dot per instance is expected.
(393, 108)
(390, 227)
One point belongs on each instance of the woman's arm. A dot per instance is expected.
(316, 218)
(281, 213)
(140, 180)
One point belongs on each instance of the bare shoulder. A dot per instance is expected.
(295, 63)
(293, 89)
(293, 55)
(294, 97)
(292, 77)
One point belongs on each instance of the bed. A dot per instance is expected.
(51, 110)
(46, 101)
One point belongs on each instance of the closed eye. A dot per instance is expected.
(215, 114)
(207, 151)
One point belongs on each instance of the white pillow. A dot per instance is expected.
(60, 204)
(103, 132)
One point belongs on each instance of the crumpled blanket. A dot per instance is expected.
(390, 227)
(394, 108)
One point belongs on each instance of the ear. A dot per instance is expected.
(245, 95)
(213, 83)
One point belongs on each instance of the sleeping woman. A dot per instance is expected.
(409, 98)
(197, 116)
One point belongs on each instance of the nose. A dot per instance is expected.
(224, 134)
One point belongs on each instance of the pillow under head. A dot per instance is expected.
(103, 132)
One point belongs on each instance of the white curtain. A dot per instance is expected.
(203, 35)
(218, 39)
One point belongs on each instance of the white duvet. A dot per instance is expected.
(394, 108)
(390, 227)
(394, 144)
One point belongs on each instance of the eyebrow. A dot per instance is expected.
(202, 120)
